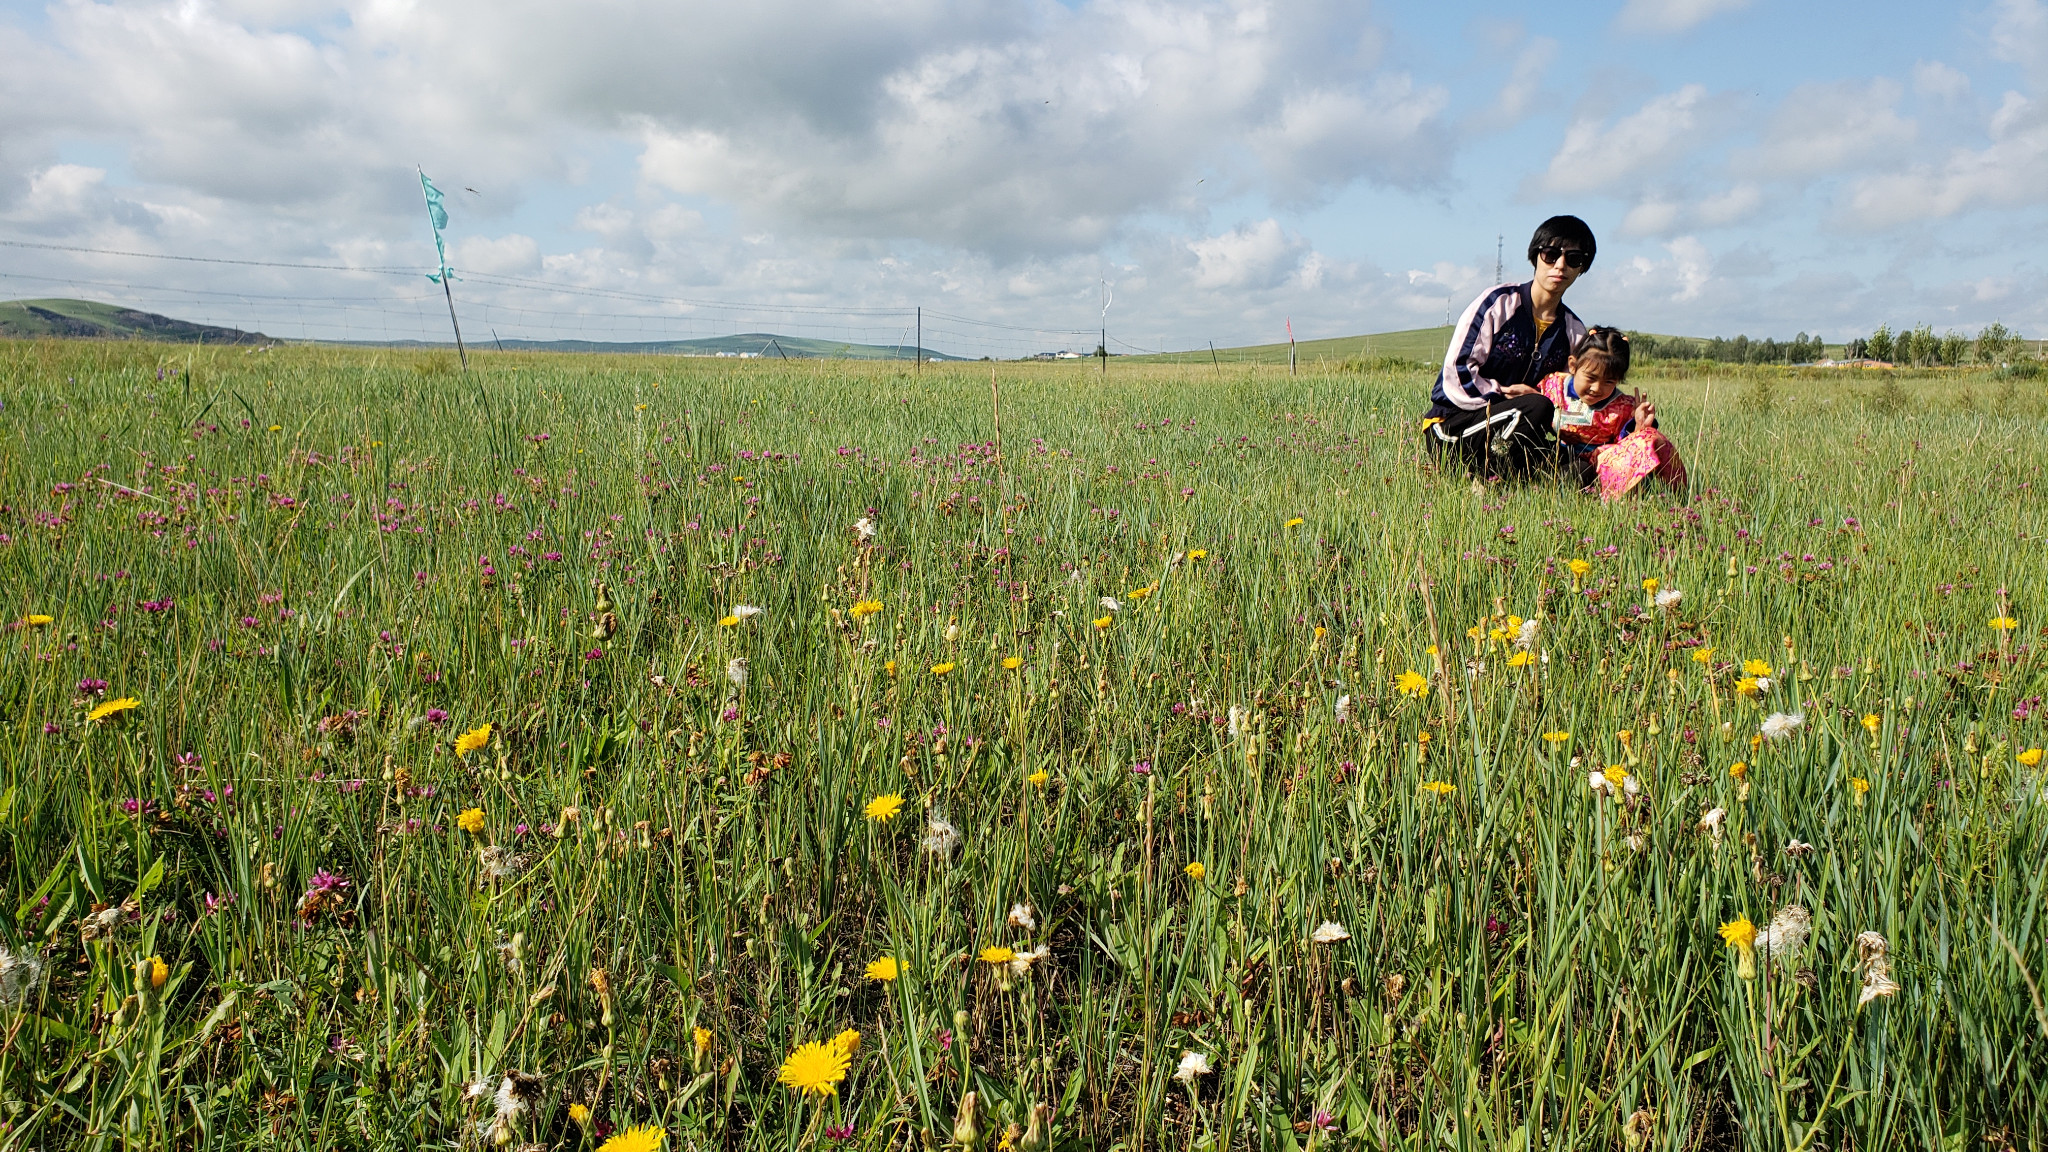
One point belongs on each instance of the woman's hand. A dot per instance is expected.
(1518, 390)
(1646, 413)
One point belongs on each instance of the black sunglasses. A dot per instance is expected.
(1573, 257)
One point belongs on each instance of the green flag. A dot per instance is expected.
(437, 215)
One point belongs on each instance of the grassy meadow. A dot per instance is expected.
(465, 802)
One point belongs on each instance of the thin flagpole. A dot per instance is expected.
(441, 251)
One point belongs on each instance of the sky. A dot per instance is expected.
(1216, 170)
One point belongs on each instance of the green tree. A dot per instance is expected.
(1879, 345)
(1993, 343)
(1954, 346)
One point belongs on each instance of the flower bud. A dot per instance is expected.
(966, 1124)
(1038, 1135)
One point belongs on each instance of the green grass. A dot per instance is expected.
(1528, 964)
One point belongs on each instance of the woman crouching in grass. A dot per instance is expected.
(1606, 436)
(1486, 407)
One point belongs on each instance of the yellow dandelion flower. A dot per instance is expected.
(997, 954)
(1198, 553)
(884, 970)
(277, 427)
(579, 1115)
(2003, 623)
(1650, 584)
(700, 1038)
(1739, 770)
(1012, 663)
(1557, 737)
(884, 808)
(1521, 659)
(1196, 870)
(942, 669)
(1871, 723)
(647, 1138)
(1615, 774)
(1740, 935)
(1702, 655)
(1439, 787)
(1472, 633)
(889, 666)
(864, 608)
(1138, 593)
(1747, 686)
(1756, 668)
(815, 1069)
(472, 740)
(1102, 622)
(1039, 778)
(158, 972)
(471, 821)
(37, 620)
(1411, 683)
(728, 621)
(1578, 567)
(112, 709)
(847, 1041)
(1321, 631)
(1859, 786)
(2031, 758)
(1294, 523)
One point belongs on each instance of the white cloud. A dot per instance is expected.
(1820, 129)
(1036, 145)
(1598, 157)
(2019, 35)
(1663, 216)
(1256, 256)
(1937, 80)
(503, 254)
(994, 126)
(62, 190)
(1522, 89)
(2010, 172)
(1673, 15)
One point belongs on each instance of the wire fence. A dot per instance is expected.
(374, 304)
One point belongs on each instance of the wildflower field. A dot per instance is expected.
(636, 753)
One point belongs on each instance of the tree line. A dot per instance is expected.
(1801, 349)
(1919, 347)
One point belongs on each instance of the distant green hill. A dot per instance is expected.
(86, 319)
(766, 344)
(1422, 345)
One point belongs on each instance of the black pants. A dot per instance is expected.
(1510, 438)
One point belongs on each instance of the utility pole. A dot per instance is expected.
(1102, 349)
(1499, 249)
(919, 350)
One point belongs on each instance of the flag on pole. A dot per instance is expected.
(437, 215)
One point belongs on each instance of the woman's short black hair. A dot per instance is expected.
(1565, 232)
(1609, 346)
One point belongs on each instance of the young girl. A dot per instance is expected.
(1609, 436)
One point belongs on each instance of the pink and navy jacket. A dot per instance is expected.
(1494, 346)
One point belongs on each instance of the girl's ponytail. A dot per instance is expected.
(1607, 345)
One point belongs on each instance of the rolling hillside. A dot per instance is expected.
(86, 319)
